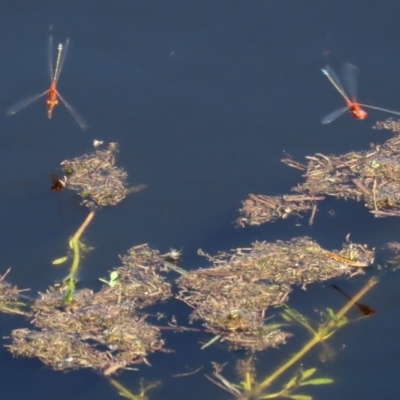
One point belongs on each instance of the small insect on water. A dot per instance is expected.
(58, 184)
(53, 95)
(355, 108)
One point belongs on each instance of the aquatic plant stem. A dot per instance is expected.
(75, 245)
(76, 258)
(7, 309)
(324, 332)
(247, 381)
(82, 228)
(122, 390)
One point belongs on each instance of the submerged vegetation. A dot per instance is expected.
(239, 298)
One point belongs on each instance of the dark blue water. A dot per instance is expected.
(203, 97)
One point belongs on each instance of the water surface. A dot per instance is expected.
(203, 97)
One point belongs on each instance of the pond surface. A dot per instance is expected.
(203, 98)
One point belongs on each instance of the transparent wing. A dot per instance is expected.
(334, 79)
(333, 115)
(349, 73)
(50, 55)
(381, 109)
(81, 122)
(24, 103)
(61, 58)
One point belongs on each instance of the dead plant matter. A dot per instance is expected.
(233, 296)
(259, 209)
(10, 302)
(97, 178)
(102, 330)
(371, 176)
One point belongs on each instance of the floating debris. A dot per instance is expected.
(393, 261)
(259, 209)
(97, 143)
(388, 124)
(113, 349)
(233, 296)
(97, 178)
(173, 255)
(10, 297)
(393, 246)
(102, 330)
(371, 176)
(139, 278)
(8, 294)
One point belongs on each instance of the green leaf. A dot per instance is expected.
(275, 326)
(286, 317)
(269, 396)
(308, 372)
(300, 397)
(113, 279)
(332, 315)
(114, 275)
(317, 381)
(293, 381)
(60, 260)
(292, 314)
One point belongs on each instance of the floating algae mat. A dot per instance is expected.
(371, 176)
(102, 330)
(233, 296)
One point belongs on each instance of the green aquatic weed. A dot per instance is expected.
(114, 279)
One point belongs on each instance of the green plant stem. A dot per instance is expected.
(122, 390)
(10, 309)
(324, 332)
(85, 224)
(76, 259)
(75, 244)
